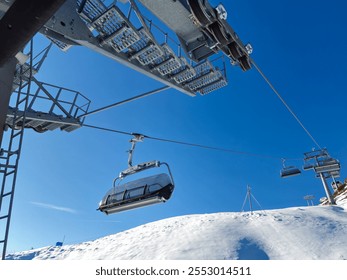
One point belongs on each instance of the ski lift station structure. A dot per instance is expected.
(120, 31)
(324, 166)
(192, 61)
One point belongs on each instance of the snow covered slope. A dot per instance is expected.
(317, 232)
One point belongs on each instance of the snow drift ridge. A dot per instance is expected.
(317, 232)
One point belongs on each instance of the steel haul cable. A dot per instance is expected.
(285, 103)
(188, 143)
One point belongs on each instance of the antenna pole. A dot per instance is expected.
(249, 194)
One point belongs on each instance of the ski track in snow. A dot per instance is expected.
(315, 232)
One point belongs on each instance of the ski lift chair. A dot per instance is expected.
(289, 171)
(141, 192)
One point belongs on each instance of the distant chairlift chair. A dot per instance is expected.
(289, 171)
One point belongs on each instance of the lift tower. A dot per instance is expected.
(16, 29)
(36, 105)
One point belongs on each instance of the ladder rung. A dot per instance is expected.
(10, 173)
(6, 151)
(7, 166)
(3, 217)
(17, 133)
(9, 154)
(7, 194)
(2, 241)
(22, 100)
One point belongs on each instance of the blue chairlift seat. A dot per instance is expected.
(289, 171)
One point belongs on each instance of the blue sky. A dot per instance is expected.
(301, 48)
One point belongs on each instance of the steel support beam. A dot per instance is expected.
(6, 83)
(21, 22)
(327, 191)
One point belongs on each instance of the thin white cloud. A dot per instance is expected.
(101, 221)
(54, 207)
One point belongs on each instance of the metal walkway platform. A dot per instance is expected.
(40, 121)
(50, 107)
(120, 31)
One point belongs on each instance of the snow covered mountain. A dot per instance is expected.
(316, 232)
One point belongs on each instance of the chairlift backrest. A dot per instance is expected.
(140, 192)
(160, 180)
(137, 193)
(289, 171)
